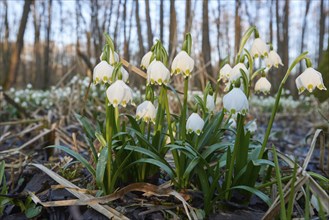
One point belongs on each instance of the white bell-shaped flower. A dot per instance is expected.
(146, 60)
(119, 94)
(235, 102)
(146, 111)
(273, 59)
(263, 85)
(194, 124)
(309, 79)
(157, 73)
(182, 63)
(210, 103)
(259, 48)
(232, 123)
(102, 72)
(252, 127)
(236, 73)
(224, 72)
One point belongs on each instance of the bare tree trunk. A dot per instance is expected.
(322, 30)
(125, 40)
(118, 15)
(139, 31)
(237, 25)
(172, 31)
(218, 29)
(38, 71)
(149, 25)
(5, 47)
(188, 17)
(126, 49)
(16, 55)
(47, 48)
(206, 49)
(161, 20)
(271, 21)
(307, 6)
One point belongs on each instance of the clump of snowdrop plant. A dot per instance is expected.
(133, 147)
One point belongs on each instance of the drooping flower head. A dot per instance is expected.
(146, 111)
(157, 73)
(273, 59)
(224, 72)
(102, 72)
(210, 103)
(235, 102)
(194, 124)
(119, 94)
(309, 79)
(235, 73)
(263, 85)
(259, 48)
(146, 60)
(182, 63)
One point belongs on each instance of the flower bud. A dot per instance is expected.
(210, 103)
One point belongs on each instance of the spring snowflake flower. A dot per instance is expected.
(309, 79)
(210, 103)
(263, 85)
(157, 73)
(235, 102)
(125, 74)
(194, 124)
(224, 72)
(119, 94)
(235, 73)
(232, 123)
(252, 127)
(259, 48)
(102, 73)
(182, 63)
(146, 111)
(273, 59)
(146, 60)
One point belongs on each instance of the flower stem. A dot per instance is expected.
(244, 40)
(109, 134)
(184, 111)
(235, 151)
(277, 101)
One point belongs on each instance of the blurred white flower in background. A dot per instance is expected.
(232, 123)
(194, 124)
(252, 127)
(210, 103)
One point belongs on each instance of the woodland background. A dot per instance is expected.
(42, 41)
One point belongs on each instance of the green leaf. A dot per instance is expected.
(143, 151)
(159, 164)
(190, 167)
(2, 171)
(256, 192)
(86, 125)
(33, 211)
(100, 138)
(76, 156)
(100, 167)
(215, 147)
